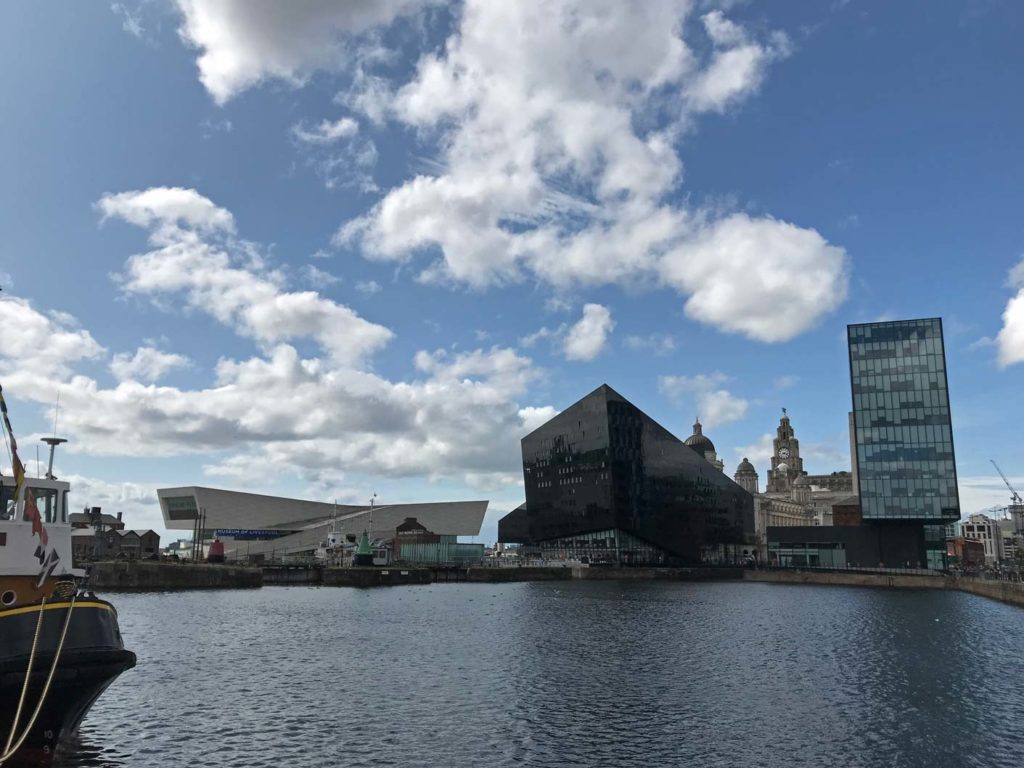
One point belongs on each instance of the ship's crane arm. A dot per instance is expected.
(1015, 496)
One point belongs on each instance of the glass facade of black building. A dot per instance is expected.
(606, 482)
(903, 430)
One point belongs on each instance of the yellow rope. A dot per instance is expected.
(8, 753)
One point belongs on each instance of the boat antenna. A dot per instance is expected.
(56, 412)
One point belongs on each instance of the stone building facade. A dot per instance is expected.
(791, 496)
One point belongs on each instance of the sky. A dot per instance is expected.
(331, 249)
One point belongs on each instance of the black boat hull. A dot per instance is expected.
(92, 657)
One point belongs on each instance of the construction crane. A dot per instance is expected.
(1014, 495)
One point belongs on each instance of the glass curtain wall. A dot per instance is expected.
(903, 427)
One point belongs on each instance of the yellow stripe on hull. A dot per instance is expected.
(57, 607)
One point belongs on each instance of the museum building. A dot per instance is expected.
(606, 484)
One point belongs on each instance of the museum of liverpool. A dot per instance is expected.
(252, 524)
(606, 484)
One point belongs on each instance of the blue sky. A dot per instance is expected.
(329, 249)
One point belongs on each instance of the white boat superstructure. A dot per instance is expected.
(22, 552)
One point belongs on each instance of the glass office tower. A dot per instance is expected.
(607, 483)
(904, 437)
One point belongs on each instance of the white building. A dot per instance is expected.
(986, 530)
(252, 524)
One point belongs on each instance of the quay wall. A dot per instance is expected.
(146, 575)
(526, 573)
(536, 573)
(283, 574)
(658, 574)
(375, 577)
(1004, 591)
(903, 581)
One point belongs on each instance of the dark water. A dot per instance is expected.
(587, 674)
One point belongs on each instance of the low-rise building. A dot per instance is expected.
(965, 552)
(983, 528)
(90, 545)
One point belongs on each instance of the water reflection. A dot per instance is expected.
(82, 751)
(614, 673)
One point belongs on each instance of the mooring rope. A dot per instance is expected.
(28, 674)
(9, 750)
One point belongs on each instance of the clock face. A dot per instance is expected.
(783, 453)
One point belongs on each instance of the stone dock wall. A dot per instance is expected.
(528, 573)
(1004, 591)
(152, 576)
(375, 577)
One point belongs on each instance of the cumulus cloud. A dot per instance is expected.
(764, 278)
(737, 66)
(587, 338)
(557, 160)
(317, 417)
(167, 208)
(715, 405)
(194, 255)
(244, 42)
(556, 139)
(138, 503)
(36, 346)
(147, 364)
(1011, 338)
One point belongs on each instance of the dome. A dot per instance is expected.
(746, 468)
(699, 441)
(802, 481)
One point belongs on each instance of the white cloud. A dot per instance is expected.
(759, 453)
(326, 132)
(138, 503)
(983, 492)
(338, 155)
(786, 382)
(737, 66)
(764, 278)
(318, 277)
(1011, 336)
(368, 287)
(194, 255)
(544, 333)
(34, 346)
(587, 338)
(244, 42)
(715, 405)
(167, 208)
(147, 364)
(276, 412)
(130, 22)
(658, 343)
(557, 137)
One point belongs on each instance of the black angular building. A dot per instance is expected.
(606, 482)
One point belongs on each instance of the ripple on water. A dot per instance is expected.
(588, 674)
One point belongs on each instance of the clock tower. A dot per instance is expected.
(787, 465)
